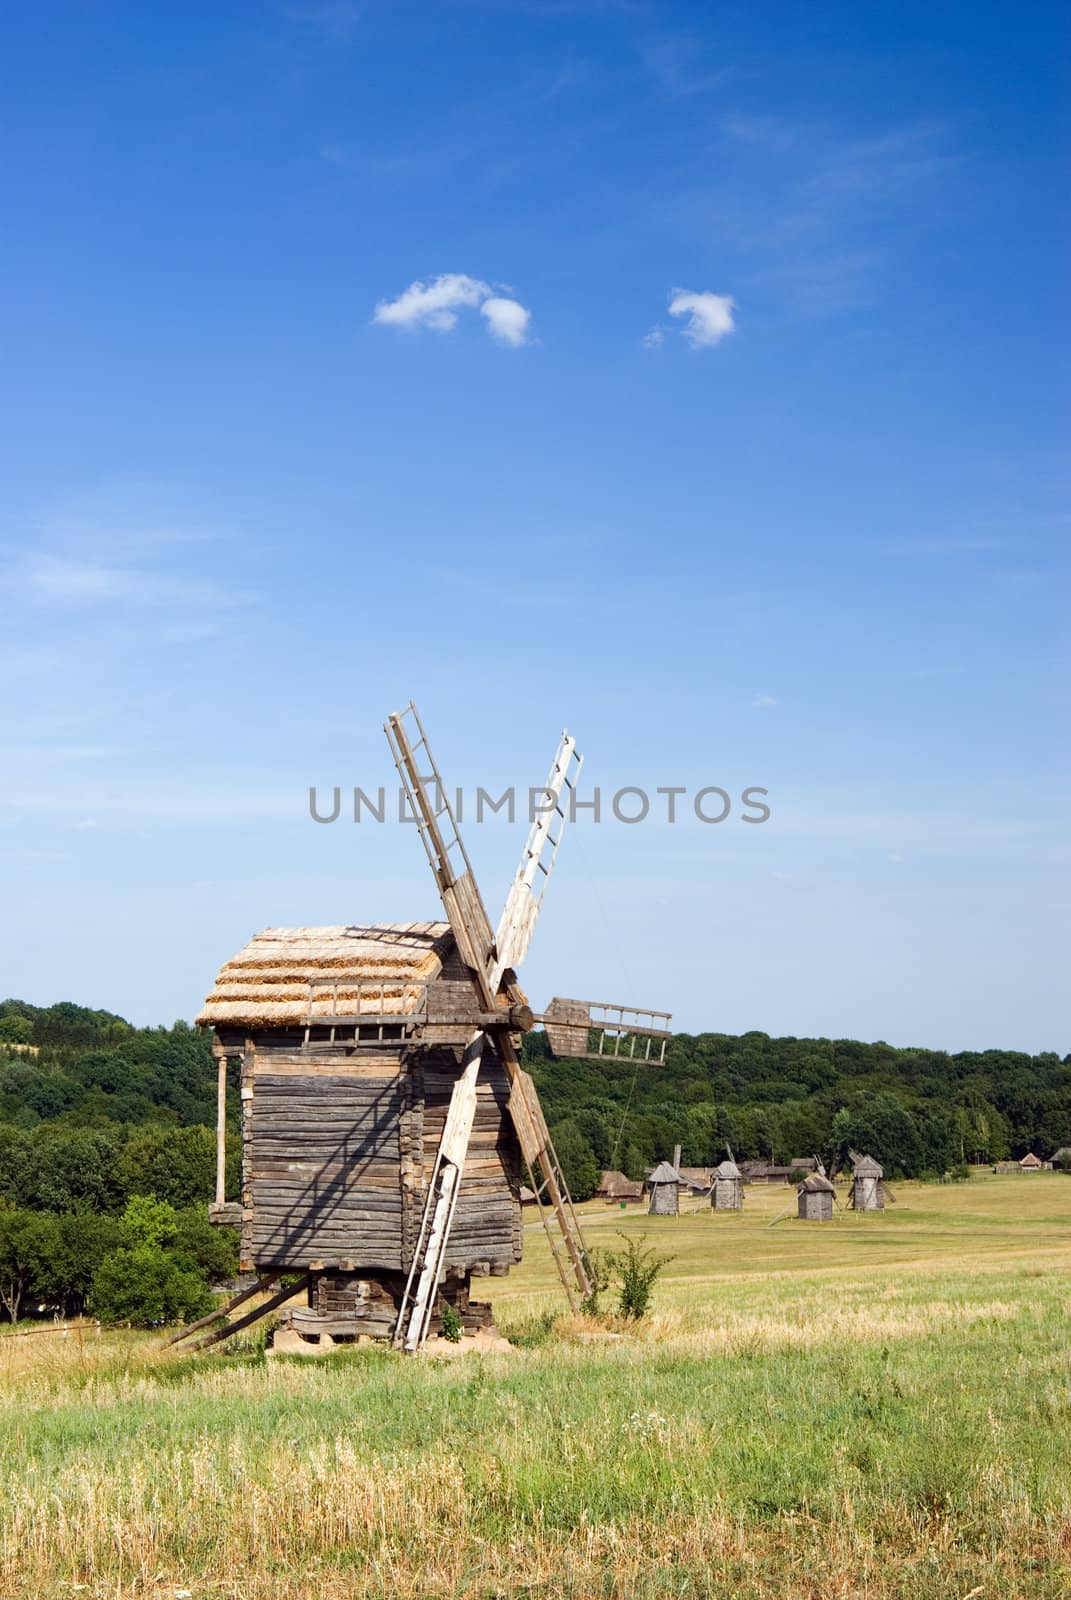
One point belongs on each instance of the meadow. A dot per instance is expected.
(876, 1407)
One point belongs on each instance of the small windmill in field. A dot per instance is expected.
(869, 1189)
(727, 1190)
(385, 1111)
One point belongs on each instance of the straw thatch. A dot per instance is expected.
(665, 1186)
(287, 975)
(614, 1185)
(664, 1173)
(815, 1198)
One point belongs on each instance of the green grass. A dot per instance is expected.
(878, 1407)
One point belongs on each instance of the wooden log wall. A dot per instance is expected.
(325, 1159)
(338, 1146)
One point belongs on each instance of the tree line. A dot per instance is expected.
(97, 1116)
(919, 1112)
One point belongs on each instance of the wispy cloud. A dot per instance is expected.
(812, 214)
(761, 701)
(680, 66)
(709, 316)
(655, 339)
(942, 546)
(336, 19)
(58, 579)
(436, 305)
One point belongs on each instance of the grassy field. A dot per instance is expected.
(876, 1407)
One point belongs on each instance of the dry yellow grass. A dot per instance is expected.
(888, 1420)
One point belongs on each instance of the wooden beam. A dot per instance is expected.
(223, 1311)
(285, 1293)
(221, 1122)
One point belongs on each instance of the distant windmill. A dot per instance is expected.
(385, 1110)
(727, 1190)
(869, 1189)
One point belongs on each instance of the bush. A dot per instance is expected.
(200, 1246)
(635, 1268)
(452, 1324)
(145, 1287)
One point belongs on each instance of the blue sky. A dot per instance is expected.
(807, 530)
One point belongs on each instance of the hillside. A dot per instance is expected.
(68, 1072)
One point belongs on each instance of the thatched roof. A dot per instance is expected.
(285, 975)
(816, 1184)
(1031, 1160)
(867, 1167)
(664, 1173)
(727, 1169)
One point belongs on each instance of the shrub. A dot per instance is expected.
(452, 1324)
(635, 1268)
(144, 1287)
(199, 1246)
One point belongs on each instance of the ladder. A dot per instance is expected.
(426, 1271)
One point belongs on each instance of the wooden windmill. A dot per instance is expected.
(385, 1111)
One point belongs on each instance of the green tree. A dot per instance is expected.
(577, 1160)
(145, 1287)
(84, 1239)
(148, 1221)
(200, 1246)
(28, 1246)
(16, 1030)
(174, 1164)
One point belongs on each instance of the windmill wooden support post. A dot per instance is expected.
(221, 1122)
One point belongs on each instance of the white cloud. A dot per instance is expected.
(507, 320)
(655, 339)
(432, 305)
(761, 701)
(436, 305)
(710, 316)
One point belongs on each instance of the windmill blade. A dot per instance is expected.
(625, 1033)
(525, 897)
(468, 919)
(449, 860)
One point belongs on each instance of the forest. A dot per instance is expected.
(98, 1118)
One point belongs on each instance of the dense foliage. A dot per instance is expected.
(102, 1126)
(918, 1111)
(95, 1112)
